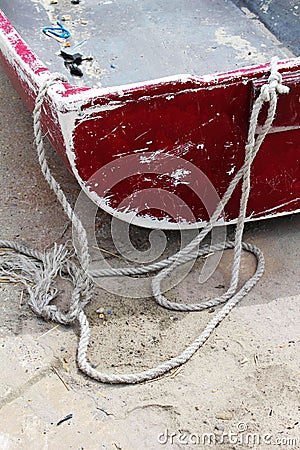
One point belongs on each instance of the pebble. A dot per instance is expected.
(219, 427)
(244, 361)
(66, 18)
(224, 415)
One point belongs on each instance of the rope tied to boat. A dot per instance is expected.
(37, 270)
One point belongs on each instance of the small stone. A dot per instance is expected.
(244, 361)
(219, 427)
(66, 18)
(83, 22)
(53, 2)
(224, 415)
(67, 44)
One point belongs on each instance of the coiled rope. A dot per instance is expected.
(37, 270)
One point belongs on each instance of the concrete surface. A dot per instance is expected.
(245, 380)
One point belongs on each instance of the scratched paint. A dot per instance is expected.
(179, 175)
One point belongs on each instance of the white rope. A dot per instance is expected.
(38, 270)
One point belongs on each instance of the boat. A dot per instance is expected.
(153, 120)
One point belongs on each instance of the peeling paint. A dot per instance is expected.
(146, 159)
(245, 50)
(179, 175)
(231, 171)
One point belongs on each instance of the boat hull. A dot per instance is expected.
(161, 153)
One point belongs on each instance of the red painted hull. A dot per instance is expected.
(161, 153)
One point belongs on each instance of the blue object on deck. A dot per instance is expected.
(60, 31)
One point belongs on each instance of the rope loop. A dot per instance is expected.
(38, 271)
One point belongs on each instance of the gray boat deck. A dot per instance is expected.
(132, 41)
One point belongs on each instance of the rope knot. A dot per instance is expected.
(274, 83)
(275, 78)
(265, 92)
